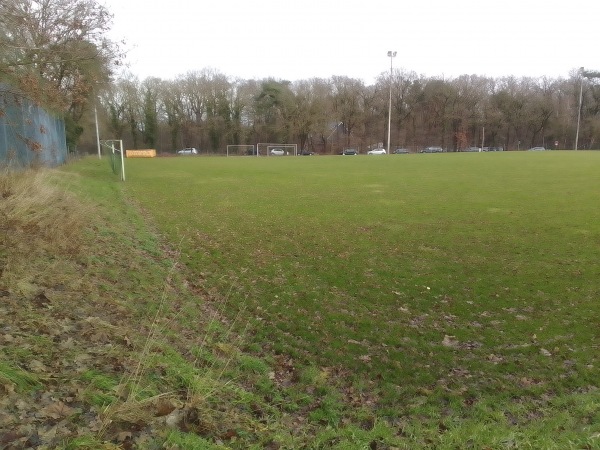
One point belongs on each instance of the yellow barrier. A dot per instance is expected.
(147, 153)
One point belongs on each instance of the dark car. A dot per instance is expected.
(350, 151)
(432, 150)
(401, 151)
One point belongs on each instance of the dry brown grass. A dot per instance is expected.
(33, 205)
(86, 302)
(37, 218)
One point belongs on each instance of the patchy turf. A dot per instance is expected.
(105, 344)
(451, 291)
(409, 301)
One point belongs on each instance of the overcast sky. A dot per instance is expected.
(303, 39)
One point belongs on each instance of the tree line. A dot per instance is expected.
(58, 53)
(209, 110)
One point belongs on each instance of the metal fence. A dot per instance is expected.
(29, 135)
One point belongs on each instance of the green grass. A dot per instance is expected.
(16, 378)
(454, 295)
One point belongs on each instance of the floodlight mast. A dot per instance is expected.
(391, 55)
(581, 74)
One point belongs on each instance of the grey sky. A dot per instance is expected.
(321, 38)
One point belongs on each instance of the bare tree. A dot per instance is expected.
(57, 52)
(208, 110)
(310, 111)
(347, 104)
(171, 96)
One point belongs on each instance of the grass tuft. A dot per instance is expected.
(12, 378)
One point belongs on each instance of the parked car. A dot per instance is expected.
(277, 152)
(377, 151)
(188, 151)
(472, 149)
(401, 151)
(350, 151)
(306, 153)
(432, 150)
(537, 149)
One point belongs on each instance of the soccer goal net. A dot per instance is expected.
(114, 150)
(272, 149)
(240, 150)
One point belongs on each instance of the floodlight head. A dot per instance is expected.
(391, 54)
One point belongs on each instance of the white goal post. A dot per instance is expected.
(240, 150)
(116, 154)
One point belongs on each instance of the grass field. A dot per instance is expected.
(453, 297)
(387, 302)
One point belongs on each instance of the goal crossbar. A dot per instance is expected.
(234, 149)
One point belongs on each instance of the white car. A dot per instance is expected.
(277, 152)
(188, 151)
(377, 151)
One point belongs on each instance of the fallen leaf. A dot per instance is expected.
(9, 437)
(40, 300)
(57, 410)
(21, 404)
(494, 358)
(124, 435)
(449, 341)
(173, 419)
(164, 407)
(7, 389)
(68, 344)
(37, 366)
